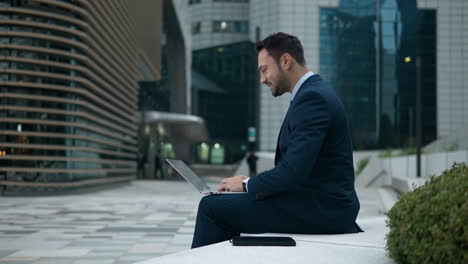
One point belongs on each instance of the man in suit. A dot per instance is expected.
(311, 188)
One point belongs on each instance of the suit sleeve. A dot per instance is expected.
(309, 122)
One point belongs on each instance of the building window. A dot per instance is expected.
(196, 27)
(193, 2)
(231, 26)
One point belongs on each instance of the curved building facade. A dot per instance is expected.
(69, 73)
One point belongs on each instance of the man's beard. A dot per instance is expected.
(282, 84)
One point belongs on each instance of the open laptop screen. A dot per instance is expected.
(189, 175)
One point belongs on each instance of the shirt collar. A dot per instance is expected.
(299, 83)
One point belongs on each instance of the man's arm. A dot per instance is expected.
(309, 120)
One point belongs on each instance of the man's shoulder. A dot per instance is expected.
(315, 86)
(317, 93)
(315, 90)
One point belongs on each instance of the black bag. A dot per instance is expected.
(263, 241)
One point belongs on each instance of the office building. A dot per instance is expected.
(69, 86)
(366, 50)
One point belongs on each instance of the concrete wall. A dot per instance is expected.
(452, 67)
(383, 171)
(431, 164)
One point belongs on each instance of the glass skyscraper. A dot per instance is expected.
(224, 81)
(368, 51)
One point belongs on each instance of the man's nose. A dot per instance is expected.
(262, 79)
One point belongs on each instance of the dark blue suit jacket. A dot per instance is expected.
(313, 178)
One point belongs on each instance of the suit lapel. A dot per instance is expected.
(277, 154)
(313, 78)
(278, 151)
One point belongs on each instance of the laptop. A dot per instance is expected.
(194, 179)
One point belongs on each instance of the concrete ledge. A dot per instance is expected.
(402, 184)
(373, 237)
(389, 197)
(367, 247)
(304, 252)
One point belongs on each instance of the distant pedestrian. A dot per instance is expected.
(158, 167)
(141, 160)
(252, 162)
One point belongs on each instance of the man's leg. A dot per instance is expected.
(220, 217)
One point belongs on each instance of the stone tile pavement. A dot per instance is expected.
(140, 221)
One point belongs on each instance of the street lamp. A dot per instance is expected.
(418, 116)
(418, 113)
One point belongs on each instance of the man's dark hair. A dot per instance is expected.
(280, 43)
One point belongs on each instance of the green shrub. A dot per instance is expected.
(428, 224)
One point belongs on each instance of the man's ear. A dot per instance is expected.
(286, 61)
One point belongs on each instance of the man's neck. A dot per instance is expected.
(296, 76)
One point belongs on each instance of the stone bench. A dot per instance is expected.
(366, 247)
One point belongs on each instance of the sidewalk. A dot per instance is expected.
(141, 221)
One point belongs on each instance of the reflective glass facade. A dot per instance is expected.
(224, 93)
(368, 51)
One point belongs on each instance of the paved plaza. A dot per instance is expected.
(123, 225)
(139, 221)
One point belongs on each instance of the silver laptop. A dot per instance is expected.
(193, 178)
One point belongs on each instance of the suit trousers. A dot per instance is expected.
(221, 217)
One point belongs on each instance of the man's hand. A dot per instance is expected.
(232, 184)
